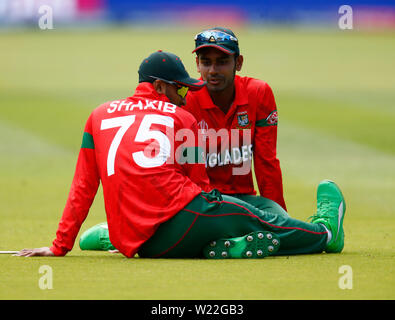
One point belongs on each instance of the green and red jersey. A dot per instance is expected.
(129, 146)
(228, 147)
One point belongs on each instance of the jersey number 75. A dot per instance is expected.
(143, 134)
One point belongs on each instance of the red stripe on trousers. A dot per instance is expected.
(253, 215)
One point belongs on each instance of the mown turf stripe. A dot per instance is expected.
(372, 127)
(19, 143)
(310, 156)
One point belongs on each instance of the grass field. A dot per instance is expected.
(335, 92)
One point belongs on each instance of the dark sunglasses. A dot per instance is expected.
(181, 90)
(213, 36)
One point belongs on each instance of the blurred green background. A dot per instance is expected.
(335, 91)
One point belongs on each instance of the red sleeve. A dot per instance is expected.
(82, 193)
(267, 166)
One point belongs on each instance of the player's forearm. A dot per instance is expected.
(82, 193)
(269, 179)
(266, 164)
(273, 190)
(269, 176)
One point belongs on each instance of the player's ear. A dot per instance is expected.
(197, 63)
(159, 86)
(239, 62)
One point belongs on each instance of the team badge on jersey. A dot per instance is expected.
(242, 120)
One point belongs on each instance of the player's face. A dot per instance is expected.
(217, 68)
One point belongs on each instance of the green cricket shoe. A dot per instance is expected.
(331, 208)
(96, 238)
(258, 244)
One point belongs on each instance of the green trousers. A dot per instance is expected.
(261, 203)
(212, 216)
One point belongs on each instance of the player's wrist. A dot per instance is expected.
(57, 251)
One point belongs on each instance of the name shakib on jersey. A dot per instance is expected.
(125, 105)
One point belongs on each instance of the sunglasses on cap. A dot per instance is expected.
(214, 36)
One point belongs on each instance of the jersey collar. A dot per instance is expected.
(146, 90)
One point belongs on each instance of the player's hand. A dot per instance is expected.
(44, 252)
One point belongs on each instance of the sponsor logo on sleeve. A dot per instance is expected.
(272, 119)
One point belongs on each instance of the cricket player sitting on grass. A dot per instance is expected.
(145, 152)
(237, 118)
(236, 105)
